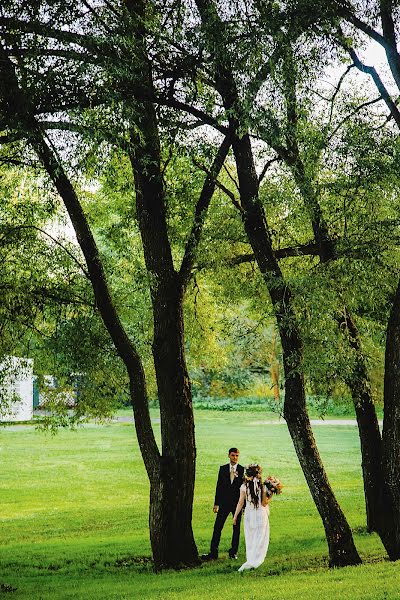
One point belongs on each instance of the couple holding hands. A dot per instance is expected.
(238, 487)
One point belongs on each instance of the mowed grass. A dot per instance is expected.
(74, 517)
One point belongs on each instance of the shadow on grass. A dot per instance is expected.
(144, 565)
(141, 564)
(4, 588)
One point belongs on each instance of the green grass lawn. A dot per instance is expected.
(74, 513)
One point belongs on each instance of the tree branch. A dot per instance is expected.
(205, 118)
(83, 40)
(97, 16)
(263, 72)
(375, 76)
(220, 185)
(232, 178)
(94, 132)
(19, 227)
(354, 112)
(267, 166)
(56, 52)
(362, 26)
(310, 249)
(389, 32)
(201, 210)
(387, 40)
(335, 93)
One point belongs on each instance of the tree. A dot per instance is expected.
(302, 164)
(171, 472)
(334, 21)
(341, 547)
(342, 14)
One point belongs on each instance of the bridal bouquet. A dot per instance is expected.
(273, 485)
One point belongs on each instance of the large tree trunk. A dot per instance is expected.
(171, 529)
(391, 434)
(390, 492)
(342, 550)
(391, 421)
(368, 428)
(171, 498)
(172, 493)
(171, 532)
(358, 381)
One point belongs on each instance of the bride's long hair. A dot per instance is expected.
(253, 484)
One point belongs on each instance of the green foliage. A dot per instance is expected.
(47, 311)
(281, 57)
(319, 407)
(240, 403)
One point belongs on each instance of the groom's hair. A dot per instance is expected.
(233, 450)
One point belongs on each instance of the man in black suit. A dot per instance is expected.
(230, 478)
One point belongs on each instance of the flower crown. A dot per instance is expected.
(252, 471)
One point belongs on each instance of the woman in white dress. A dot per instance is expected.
(256, 513)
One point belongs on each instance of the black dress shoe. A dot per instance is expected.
(233, 556)
(209, 556)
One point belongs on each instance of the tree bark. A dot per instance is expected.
(342, 550)
(18, 111)
(171, 530)
(171, 474)
(172, 490)
(391, 395)
(391, 434)
(368, 428)
(389, 34)
(274, 368)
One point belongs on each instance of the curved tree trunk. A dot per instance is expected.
(368, 429)
(342, 551)
(391, 434)
(390, 492)
(171, 474)
(358, 381)
(338, 534)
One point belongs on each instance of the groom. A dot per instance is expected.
(230, 478)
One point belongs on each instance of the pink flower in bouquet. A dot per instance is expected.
(273, 485)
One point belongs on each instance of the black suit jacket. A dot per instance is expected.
(227, 493)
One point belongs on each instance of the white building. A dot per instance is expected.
(16, 389)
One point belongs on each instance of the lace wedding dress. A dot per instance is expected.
(256, 532)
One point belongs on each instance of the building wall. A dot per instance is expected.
(17, 389)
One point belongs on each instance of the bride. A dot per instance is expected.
(256, 523)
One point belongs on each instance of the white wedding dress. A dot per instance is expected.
(256, 532)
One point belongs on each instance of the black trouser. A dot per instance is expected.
(222, 514)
